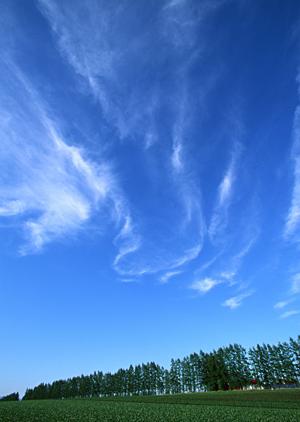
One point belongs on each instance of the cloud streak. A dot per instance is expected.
(295, 287)
(168, 275)
(99, 56)
(288, 314)
(282, 304)
(236, 301)
(204, 285)
(225, 193)
(51, 186)
(292, 221)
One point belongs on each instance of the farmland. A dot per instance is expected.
(278, 405)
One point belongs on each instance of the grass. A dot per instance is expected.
(254, 406)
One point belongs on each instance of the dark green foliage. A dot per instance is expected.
(227, 368)
(10, 397)
(215, 372)
(295, 349)
(237, 364)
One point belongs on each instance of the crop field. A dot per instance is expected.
(279, 405)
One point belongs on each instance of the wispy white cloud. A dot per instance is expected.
(295, 287)
(180, 25)
(168, 275)
(177, 161)
(225, 193)
(128, 242)
(205, 285)
(181, 21)
(187, 189)
(288, 314)
(282, 304)
(292, 222)
(238, 258)
(228, 275)
(225, 187)
(99, 56)
(174, 3)
(178, 134)
(188, 256)
(234, 262)
(208, 263)
(129, 280)
(236, 301)
(11, 208)
(53, 187)
(138, 264)
(293, 218)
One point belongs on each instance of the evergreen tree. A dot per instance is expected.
(187, 375)
(295, 350)
(262, 366)
(138, 376)
(167, 382)
(237, 366)
(175, 376)
(215, 374)
(10, 397)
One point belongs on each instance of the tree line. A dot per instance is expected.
(231, 367)
(10, 397)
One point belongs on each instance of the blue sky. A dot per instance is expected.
(149, 183)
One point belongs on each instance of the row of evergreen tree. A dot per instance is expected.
(10, 397)
(230, 367)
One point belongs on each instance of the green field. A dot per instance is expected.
(279, 405)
